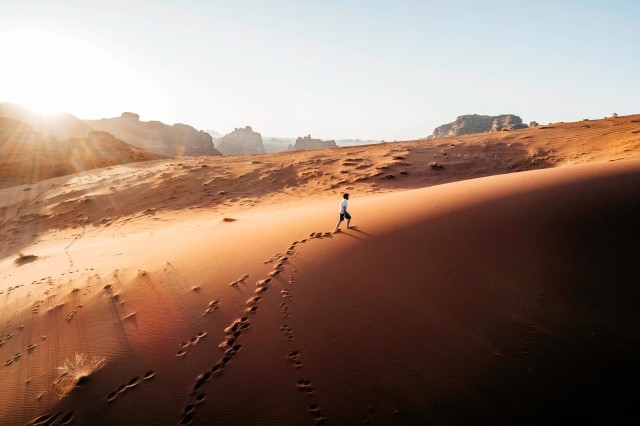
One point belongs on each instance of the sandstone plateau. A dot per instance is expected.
(489, 278)
(307, 142)
(469, 124)
(242, 141)
(154, 136)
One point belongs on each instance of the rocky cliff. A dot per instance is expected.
(468, 124)
(307, 142)
(241, 141)
(154, 136)
(27, 155)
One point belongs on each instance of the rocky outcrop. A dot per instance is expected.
(468, 124)
(27, 155)
(307, 142)
(60, 126)
(242, 141)
(155, 136)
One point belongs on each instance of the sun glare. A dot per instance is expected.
(51, 73)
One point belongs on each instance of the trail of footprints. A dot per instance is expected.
(18, 355)
(191, 342)
(59, 418)
(303, 385)
(132, 383)
(234, 331)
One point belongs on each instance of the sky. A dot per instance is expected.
(335, 69)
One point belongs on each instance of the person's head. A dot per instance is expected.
(345, 196)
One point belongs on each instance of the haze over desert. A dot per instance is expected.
(153, 272)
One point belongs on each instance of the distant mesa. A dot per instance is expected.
(469, 124)
(242, 141)
(27, 155)
(155, 136)
(307, 142)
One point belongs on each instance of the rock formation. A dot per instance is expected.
(241, 141)
(307, 142)
(468, 124)
(60, 126)
(154, 136)
(29, 156)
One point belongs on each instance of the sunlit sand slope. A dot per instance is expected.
(503, 299)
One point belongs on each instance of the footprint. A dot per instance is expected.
(148, 375)
(200, 398)
(275, 272)
(253, 300)
(41, 420)
(113, 395)
(181, 353)
(319, 418)
(251, 310)
(227, 344)
(133, 382)
(204, 376)
(47, 419)
(196, 387)
(187, 419)
(263, 283)
(67, 418)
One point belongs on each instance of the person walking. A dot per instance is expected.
(343, 212)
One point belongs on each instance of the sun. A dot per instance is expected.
(50, 72)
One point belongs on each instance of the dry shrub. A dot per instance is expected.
(22, 258)
(75, 373)
(435, 165)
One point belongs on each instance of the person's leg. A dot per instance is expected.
(348, 216)
(340, 219)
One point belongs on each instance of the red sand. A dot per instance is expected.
(509, 298)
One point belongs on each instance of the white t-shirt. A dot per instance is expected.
(343, 206)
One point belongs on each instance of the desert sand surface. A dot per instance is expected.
(497, 285)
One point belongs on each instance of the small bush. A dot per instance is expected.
(24, 258)
(435, 165)
(75, 373)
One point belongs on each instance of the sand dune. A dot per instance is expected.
(210, 290)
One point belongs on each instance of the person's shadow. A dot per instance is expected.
(357, 229)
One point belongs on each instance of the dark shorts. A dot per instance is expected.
(343, 215)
